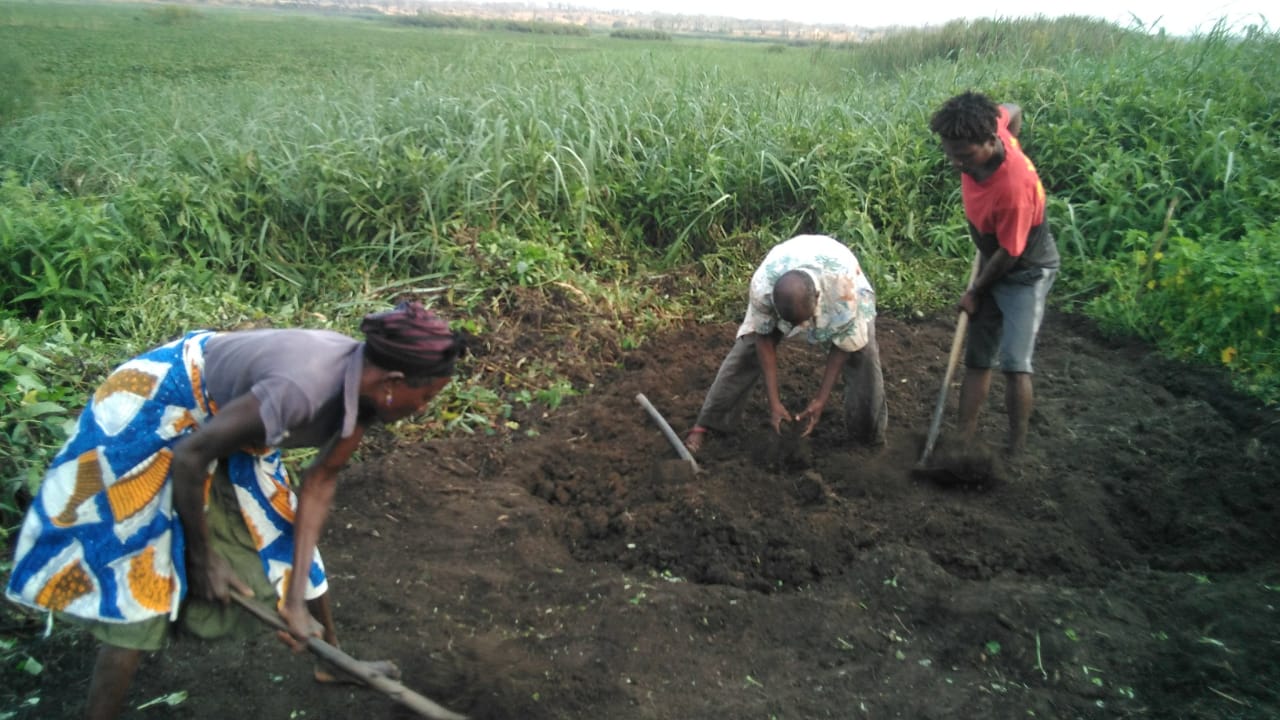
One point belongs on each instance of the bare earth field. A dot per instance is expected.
(1126, 567)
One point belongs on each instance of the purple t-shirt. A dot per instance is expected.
(307, 381)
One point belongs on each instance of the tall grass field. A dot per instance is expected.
(164, 168)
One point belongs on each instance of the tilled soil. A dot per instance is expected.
(1126, 566)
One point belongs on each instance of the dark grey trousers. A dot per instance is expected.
(865, 409)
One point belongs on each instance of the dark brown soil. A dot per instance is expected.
(1125, 567)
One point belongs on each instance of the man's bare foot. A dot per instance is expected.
(693, 441)
(331, 674)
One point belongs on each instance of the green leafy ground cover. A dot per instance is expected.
(169, 168)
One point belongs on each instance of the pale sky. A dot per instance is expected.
(1175, 16)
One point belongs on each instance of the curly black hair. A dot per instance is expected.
(967, 117)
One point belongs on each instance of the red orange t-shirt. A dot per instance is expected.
(1009, 203)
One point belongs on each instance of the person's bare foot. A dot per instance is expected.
(331, 674)
(693, 441)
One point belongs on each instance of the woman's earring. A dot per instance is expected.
(388, 399)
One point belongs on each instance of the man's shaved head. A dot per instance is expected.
(795, 297)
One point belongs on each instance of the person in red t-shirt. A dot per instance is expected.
(1004, 202)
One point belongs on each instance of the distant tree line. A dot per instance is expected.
(440, 20)
(640, 34)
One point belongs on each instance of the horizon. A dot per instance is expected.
(1149, 15)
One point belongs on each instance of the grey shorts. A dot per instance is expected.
(1003, 331)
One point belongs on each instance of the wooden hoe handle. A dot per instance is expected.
(376, 680)
(957, 342)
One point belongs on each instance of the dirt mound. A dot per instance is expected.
(1125, 566)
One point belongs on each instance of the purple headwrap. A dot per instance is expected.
(412, 340)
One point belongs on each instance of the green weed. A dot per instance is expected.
(34, 416)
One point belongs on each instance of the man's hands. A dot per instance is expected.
(779, 414)
(983, 276)
(211, 578)
(810, 416)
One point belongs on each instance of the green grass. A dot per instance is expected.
(163, 168)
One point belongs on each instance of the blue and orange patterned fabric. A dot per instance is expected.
(102, 540)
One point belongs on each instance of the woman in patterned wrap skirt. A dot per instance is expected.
(170, 495)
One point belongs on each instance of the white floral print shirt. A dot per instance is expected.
(846, 301)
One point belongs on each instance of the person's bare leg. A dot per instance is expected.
(321, 609)
(1017, 401)
(113, 673)
(973, 392)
